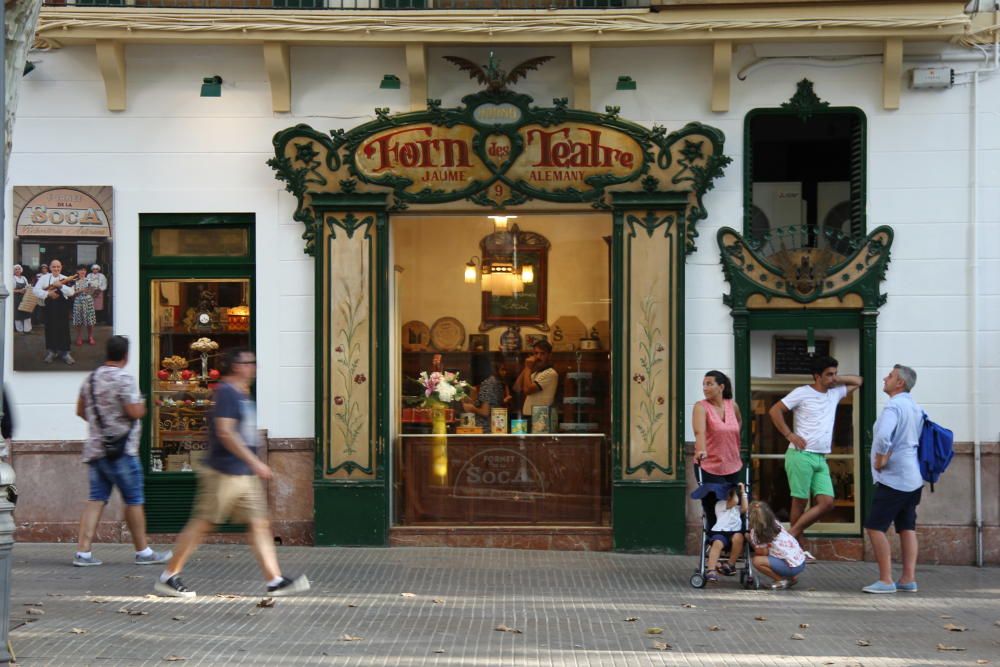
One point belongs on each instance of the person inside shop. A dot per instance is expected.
(56, 290)
(22, 319)
(489, 374)
(84, 314)
(99, 283)
(538, 381)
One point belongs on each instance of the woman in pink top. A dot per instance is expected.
(716, 421)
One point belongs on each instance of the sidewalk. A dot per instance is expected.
(571, 609)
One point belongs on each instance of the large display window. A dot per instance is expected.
(503, 413)
(197, 299)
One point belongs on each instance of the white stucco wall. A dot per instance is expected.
(173, 151)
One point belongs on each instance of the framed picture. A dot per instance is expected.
(168, 317)
(500, 307)
(479, 343)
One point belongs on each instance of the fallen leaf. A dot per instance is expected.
(407, 595)
(798, 636)
(439, 650)
(133, 576)
(864, 642)
(350, 638)
(78, 631)
(688, 605)
(438, 601)
(266, 602)
(151, 596)
(34, 611)
(178, 618)
(352, 605)
(803, 625)
(760, 618)
(252, 613)
(59, 595)
(505, 628)
(631, 619)
(662, 646)
(174, 658)
(996, 623)
(951, 627)
(34, 604)
(982, 662)
(228, 596)
(654, 631)
(946, 616)
(99, 600)
(133, 612)
(714, 628)
(810, 589)
(943, 647)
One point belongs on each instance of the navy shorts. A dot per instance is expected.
(726, 537)
(125, 472)
(890, 506)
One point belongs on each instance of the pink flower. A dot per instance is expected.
(360, 378)
(338, 400)
(659, 347)
(659, 400)
(449, 376)
(639, 378)
(339, 348)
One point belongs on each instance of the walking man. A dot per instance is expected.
(229, 483)
(815, 409)
(55, 290)
(115, 409)
(898, 484)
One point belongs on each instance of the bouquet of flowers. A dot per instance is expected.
(444, 387)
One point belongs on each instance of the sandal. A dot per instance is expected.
(92, 341)
(780, 585)
(727, 569)
(712, 578)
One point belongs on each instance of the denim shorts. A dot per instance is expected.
(783, 569)
(124, 472)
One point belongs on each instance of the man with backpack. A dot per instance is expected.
(112, 406)
(898, 481)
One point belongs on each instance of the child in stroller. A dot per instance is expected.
(722, 529)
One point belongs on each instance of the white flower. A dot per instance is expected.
(446, 392)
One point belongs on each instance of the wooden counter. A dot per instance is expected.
(497, 479)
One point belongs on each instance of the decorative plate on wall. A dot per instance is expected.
(447, 334)
(416, 336)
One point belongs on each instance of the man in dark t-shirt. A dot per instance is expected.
(229, 484)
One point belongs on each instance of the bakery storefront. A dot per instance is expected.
(453, 247)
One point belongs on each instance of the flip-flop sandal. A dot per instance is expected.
(727, 569)
(712, 578)
(780, 585)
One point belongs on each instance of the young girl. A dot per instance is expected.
(727, 532)
(776, 553)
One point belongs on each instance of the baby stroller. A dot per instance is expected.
(747, 577)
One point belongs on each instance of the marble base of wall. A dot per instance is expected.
(558, 538)
(53, 489)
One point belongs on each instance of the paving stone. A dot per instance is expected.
(570, 608)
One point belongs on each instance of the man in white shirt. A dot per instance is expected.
(815, 409)
(55, 289)
(538, 381)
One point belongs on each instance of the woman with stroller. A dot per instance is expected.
(716, 421)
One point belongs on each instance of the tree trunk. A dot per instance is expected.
(22, 19)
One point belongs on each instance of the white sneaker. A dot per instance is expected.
(49, 356)
(68, 358)
(809, 557)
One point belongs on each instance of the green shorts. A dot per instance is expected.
(808, 474)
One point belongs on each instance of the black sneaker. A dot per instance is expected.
(299, 584)
(172, 588)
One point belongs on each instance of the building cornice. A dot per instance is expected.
(934, 21)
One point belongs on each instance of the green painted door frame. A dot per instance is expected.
(864, 322)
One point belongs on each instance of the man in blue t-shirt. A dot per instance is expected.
(229, 484)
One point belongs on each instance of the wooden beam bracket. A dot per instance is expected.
(416, 69)
(722, 74)
(278, 64)
(581, 76)
(111, 62)
(892, 72)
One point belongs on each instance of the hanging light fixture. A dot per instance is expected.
(527, 274)
(470, 270)
(500, 221)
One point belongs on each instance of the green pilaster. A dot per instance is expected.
(741, 334)
(869, 392)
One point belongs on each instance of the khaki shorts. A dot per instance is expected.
(223, 497)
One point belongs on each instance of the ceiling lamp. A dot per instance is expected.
(500, 221)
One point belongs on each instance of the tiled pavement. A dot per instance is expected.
(571, 609)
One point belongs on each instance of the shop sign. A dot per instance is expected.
(448, 159)
(63, 212)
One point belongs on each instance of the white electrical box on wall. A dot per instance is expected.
(932, 77)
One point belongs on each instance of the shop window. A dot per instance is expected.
(502, 457)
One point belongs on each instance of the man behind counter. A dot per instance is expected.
(538, 381)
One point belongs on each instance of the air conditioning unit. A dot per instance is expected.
(833, 212)
(777, 205)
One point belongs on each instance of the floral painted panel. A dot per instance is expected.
(651, 445)
(348, 402)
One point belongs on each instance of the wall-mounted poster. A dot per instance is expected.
(62, 277)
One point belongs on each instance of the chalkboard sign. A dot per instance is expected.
(791, 356)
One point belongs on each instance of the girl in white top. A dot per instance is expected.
(727, 531)
(776, 553)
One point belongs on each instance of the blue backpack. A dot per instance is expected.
(934, 450)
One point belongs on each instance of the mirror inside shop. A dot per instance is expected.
(194, 322)
(504, 369)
